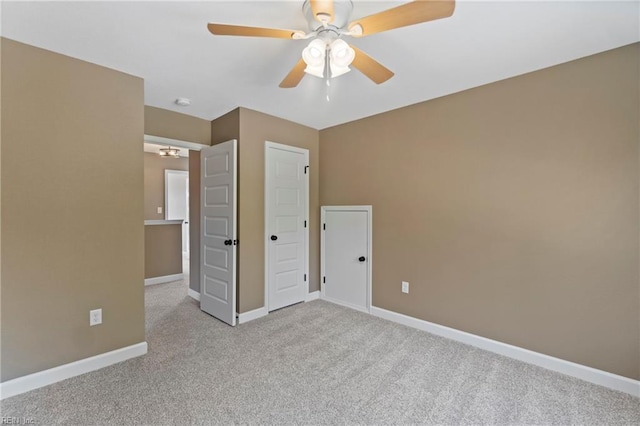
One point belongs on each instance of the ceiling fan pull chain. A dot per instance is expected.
(327, 74)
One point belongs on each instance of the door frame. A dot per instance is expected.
(305, 152)
(369, 211)
(193, 215)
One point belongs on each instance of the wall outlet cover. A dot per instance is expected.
(95, 317)
(405, 287)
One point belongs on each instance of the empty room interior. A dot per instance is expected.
(320, 212)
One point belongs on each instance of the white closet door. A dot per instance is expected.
(346, 255)
(286, 192)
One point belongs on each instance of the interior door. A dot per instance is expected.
(218, 225)
(286, 197)
(346, 256)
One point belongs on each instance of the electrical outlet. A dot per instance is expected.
(405, 287)
(159, 210)
(95, 317)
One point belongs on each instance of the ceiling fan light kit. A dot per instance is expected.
(329, 22)
(169, 152)
(341, 55)
(314, 56)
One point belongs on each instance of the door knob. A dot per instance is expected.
(362, 259)
(228, 242)
(274, 237)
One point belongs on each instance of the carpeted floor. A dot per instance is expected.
(313, 363)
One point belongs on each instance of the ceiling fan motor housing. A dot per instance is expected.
(341, 13)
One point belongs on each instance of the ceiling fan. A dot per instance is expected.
(328, 54)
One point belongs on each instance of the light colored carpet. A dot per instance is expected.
(313, 363)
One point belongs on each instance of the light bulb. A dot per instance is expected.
(341, 53)
(313, 55)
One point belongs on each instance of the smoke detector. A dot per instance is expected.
(183, 102)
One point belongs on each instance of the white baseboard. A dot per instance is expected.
(193, 294)
(163, 279)
(43, 378)
(251, 315)
(312, 296)
(345, 304)
(589, 374)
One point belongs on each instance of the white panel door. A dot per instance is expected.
(286, 203)
(346, 256)
(218, 231)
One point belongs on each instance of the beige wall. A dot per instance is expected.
(162, 250)
(255, 129)
(173, 125)
(512, 208)
(226, 127)
(154, 167)
(72, 208)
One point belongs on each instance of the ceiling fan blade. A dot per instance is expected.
(416, 12)
(370, 67)
(295, 75)
(237, 30)
(322, 10)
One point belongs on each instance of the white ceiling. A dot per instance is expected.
(167, 44)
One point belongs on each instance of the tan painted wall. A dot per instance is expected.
(194, 220)
(173, 125)
(512, 208)
(162, 250)
(72, 209)
(226, 127)
(255, 129)
(154, 167)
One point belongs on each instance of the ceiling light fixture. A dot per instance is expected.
(314, 56)
(340, 56)
(169, 152)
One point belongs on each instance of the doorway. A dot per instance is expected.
(165, 213)
(176, 190)
(286, 225)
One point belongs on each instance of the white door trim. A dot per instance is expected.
(305, 152)
(369, 212)
(159, 140)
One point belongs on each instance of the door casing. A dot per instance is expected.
(369, 211)
(267, 195)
